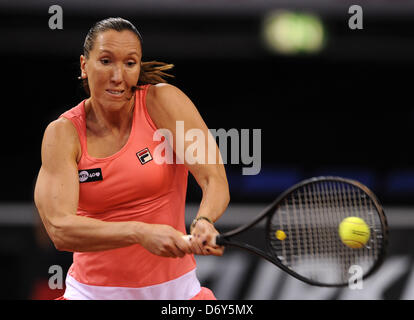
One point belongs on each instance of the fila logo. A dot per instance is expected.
(90, 175)
(144, 156)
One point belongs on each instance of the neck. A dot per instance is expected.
(106, 119)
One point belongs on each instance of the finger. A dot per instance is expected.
(209, 240)
(187, 238)
(184, 244)
(180, 253)
(198, 246)
(218, 251)
(190, 240)
(205, 244)
(165, 254)
(207, 247)
(180, 248)
(173, 250)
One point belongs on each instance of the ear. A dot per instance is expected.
(84, 73)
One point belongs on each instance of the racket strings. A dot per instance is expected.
(310, 217)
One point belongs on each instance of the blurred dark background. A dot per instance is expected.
(342, 110)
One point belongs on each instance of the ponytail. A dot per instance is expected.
(153, 72)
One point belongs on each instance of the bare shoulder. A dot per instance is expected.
(163, 90)
(60, 136)
(166, 102)
(165, 95)
(60, 131)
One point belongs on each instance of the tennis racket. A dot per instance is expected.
(308, 216)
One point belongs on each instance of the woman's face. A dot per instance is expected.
(113, 68)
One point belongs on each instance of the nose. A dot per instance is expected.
(117, 74)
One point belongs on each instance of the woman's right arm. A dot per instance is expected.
(56, 198)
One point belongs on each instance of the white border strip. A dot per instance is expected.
(182, 288)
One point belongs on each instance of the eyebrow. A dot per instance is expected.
(129, 53)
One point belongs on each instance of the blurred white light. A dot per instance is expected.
(291, 33)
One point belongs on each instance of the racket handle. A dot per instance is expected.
(221, 241)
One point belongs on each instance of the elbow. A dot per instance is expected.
(53, 226)
(57, 227)
(59, 244)
(56, 231)
(57, 238)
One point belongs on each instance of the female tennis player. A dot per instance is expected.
(101, 195)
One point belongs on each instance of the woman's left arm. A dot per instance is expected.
(166, 104)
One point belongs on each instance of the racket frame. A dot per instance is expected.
(224, 239)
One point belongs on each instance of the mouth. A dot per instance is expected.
(116, 93)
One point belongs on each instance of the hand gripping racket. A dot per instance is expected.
(301, 234)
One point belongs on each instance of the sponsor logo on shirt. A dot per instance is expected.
(90, 175)
(144, 156)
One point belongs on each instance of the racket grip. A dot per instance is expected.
(220, 241)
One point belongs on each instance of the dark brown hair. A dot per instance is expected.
(152, 72)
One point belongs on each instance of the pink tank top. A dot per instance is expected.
(129, 186)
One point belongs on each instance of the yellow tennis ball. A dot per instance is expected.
(354, 232)
(280, 235)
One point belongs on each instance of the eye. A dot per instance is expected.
(105, 61)
(131, 63)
